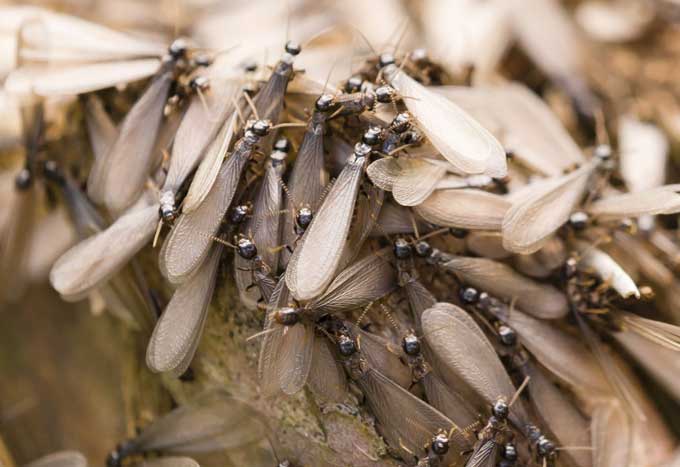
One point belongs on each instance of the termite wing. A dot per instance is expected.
(418, 432)
(189, 241)
(263, 229)
(315, 261)
(468, 146)
(178, 331)
(213, 421)
(118, 178)
(288, 336)
(60, 459)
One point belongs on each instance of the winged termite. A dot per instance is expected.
(546, 205)
(317, 258)
(214, 421)
(558, 351)
(263, 227)
(540, 300)
(179, 329)
(188, 242)
(469, 147)
(526, 125)
(558, 414)
(60, 459)
(285, 356)
(118, 178)
(421, 434)
(450, 208)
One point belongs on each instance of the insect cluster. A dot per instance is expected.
(426, 242)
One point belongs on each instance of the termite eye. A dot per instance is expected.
(458, 233)
(411, 345)
(440, 444)
(261, 127)
(324, 103)
(402, 249)
(282, 145)
(246, 248)
(509, 452)
(238, 214)
(401, 122)
(293, 48)
(578, 220)
(354, 84)
(346, 346)
(469, 295)
(200, 83)
(178, 48)
(386, 59)
(545, 447)
(372, 136)
(287, 316)
(507, 335)
(304, 217)
(500, 409)
(384, 94)
(423, 249)
(603, 152)
(23, 179)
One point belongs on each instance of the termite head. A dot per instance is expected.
(178, 49)
(545, 447)
(362, 150)
(246, 249)
(372, 136)
(293, 48)
(385, 94)
(261, 127)
(346, 346)
(168, 213)
(469, 295)
(304, 218)
(23, 180)
(401, 122)
(239, 213)
(509, 452)
(354, 83)
(325, 103)
(507, 335)
(199, 83)
(402, 249)
(411, 344)
(578, 220)
(500, 409)
(423, 249)
(287, 316)
(440, 444)
(385, 60)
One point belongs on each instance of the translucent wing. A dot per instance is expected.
(326, 377)
(543, 209)
(395, 219)
(484, 454)
(411, 181)
(178, 330)
(96, 259)
(603, 266)
(661, 200)
(366, 280)
(469, 147)
(612, 436)
(318, 256)
(208, 169)
(103, 132)
(486, 244)
(468, 357)
(200, 123)
(451, 208)
(189, 241)
(127, 166)
(60, 459)
(383, 172)
(643, 150)
(419, 298)
(540, 300)
(171, 462)
(366, 215)
(380, 353)
(295, 356)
